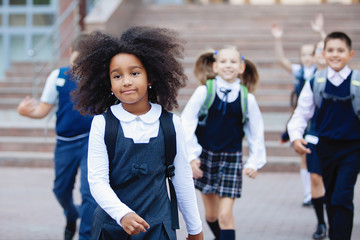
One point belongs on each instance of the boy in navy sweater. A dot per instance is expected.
(338, 127)
(72, 130)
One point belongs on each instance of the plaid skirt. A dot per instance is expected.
(222, 174)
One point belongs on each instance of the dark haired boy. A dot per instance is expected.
(72, 130)
(333, 95)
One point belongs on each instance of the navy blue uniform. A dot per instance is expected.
(137, 176)
(339, 154)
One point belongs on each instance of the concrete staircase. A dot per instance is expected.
(22, 141)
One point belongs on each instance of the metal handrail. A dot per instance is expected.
(42, 68)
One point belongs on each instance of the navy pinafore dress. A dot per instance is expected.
(137, 176)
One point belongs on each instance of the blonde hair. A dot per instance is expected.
(203, 69)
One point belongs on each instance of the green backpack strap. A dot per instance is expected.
(244, 103)
(210, 96)
(355, 92)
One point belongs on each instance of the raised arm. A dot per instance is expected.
(318, 25)
(277, 33)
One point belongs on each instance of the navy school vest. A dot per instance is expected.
(335, 117)
(69, 121)
(138, 175)
(222, 132)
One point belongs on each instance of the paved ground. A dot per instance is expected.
(270, 208)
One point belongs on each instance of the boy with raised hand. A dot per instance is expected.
(72, 130)
(333, 95)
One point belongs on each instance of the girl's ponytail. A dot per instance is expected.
(203, 69)
(250, 76)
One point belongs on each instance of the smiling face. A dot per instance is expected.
(228, 64)
(129, 83)
(306, 55)
(337, 54)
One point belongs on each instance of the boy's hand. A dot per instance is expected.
(195, 166)
(252, 173)
(199, 236)
(299, 146)
(276, 31)
(27, 106)
(134, 224)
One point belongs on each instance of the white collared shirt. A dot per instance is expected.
(140, 129)
(306, 106)
(254, 129)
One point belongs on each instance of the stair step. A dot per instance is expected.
(23, 141)
(27, 144)
(26, 159)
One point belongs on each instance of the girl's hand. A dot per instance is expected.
(276, 31)
(195, 166)
(134, 224)
(252, 173)
(299, 146)
(199, 236)
(318, 24)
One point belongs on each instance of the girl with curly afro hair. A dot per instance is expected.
(129, 84)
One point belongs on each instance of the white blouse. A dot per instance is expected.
(140, 129)
(254, 128)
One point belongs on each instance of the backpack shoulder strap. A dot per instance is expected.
(167, 126)
(210, 96)
(111, 131)
(319, 86)
(244, 103)
(355, 92)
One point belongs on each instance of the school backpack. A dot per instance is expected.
(210, 96)
(167, 126)
(319, 87)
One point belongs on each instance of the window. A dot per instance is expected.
(17, 20)
(42, 2)
(46, 51)
(43, 19)
(17, 2)
(17, 48)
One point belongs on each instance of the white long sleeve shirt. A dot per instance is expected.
(140, 129)
(306, 106)
(254, 128)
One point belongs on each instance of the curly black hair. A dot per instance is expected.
(158, 49)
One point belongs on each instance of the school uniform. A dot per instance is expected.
(301, 74)
(135, 180)
(218, 144)
(338, 148)
(311, 136)
(72, 130)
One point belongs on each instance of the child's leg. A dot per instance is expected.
(226, 218)
(88, 203)
(211, 203)
(317, 193)
(340, 198)
(306, 182)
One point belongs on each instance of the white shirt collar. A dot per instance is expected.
(343, 73)
(150, 117)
